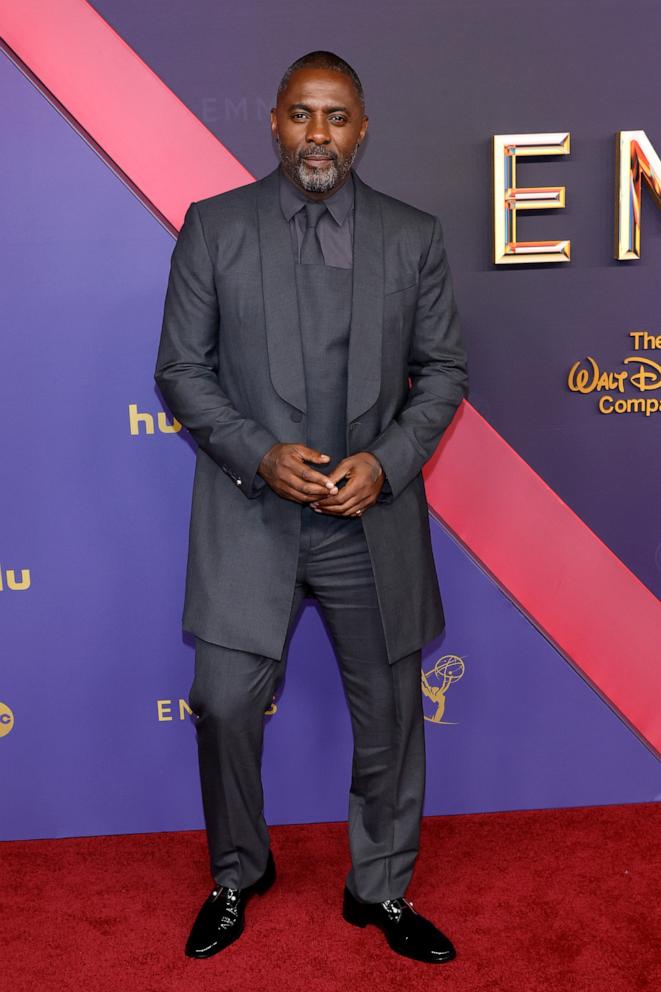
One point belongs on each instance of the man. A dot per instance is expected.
(311, 346)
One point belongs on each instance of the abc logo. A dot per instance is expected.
(6, 719)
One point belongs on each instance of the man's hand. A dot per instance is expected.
(283, 467)
(365, 479)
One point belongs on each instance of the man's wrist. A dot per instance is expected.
(372, 457)
(264, 464)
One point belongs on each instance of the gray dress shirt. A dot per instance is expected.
(335, 227)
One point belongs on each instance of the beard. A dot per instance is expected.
(316, 179)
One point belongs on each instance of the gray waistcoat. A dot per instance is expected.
(324, 307)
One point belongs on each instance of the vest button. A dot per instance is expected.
(296, 416)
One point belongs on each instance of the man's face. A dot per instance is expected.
(318, 124)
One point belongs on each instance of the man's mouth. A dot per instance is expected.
(315, 160)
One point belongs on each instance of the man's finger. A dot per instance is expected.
(311, 454)
(349, 510)
(290, 490)
(311, 475)
(307, 487)
(340, 471)
(349, 487)
(351, 490)
(361, 505)
(354, 504)
(303, 454)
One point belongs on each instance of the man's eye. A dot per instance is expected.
(299, 114)
(339, 120)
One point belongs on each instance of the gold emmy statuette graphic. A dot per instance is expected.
(6, 719)
(436, 682)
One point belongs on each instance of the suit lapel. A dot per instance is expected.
(280, 301)
(364, 372)
(281, 305)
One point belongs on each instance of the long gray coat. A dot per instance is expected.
(230, 369)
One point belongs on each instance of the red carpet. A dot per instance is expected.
(536, 901)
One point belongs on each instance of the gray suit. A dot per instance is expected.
(265, 341)
(230, 368)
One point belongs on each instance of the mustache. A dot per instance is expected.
(322, 153)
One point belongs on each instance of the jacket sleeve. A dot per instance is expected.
(187, 364)
(438, 371)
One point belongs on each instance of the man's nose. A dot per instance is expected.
(318, 132)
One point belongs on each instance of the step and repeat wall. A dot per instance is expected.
(564, 340)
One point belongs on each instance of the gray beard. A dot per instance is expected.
(316, 180)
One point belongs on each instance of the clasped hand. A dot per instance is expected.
(285, 467)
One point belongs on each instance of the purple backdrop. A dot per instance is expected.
(99, 516)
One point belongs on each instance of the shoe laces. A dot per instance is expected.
(395, 907)
(230, 909)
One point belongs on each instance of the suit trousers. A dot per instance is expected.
(231, 690)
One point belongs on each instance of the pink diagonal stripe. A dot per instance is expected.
(563, 576)
(129, 112)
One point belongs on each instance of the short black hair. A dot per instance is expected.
(323, 60)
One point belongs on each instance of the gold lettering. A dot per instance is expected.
(643, 339)
(635, 404)
(635, 160)
(13, 583)
(135, 419)
(164, 707)
(579, 380)
(643, 379)
(184, 709)
(272, 710)
(508, 198)
(611, 380)
(166, 428)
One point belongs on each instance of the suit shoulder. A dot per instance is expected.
(407, 228)
(236, 200)
(402, 216)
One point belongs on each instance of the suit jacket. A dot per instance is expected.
(230, 368)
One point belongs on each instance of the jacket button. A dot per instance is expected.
(296, 416)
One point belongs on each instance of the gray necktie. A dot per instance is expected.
(311, 253)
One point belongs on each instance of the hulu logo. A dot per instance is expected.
(140, 423)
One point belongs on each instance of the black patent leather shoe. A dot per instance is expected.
(220, 921)
(406, 931)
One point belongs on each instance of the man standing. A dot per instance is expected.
(311, 347)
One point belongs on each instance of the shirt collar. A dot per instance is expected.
(292, 198)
